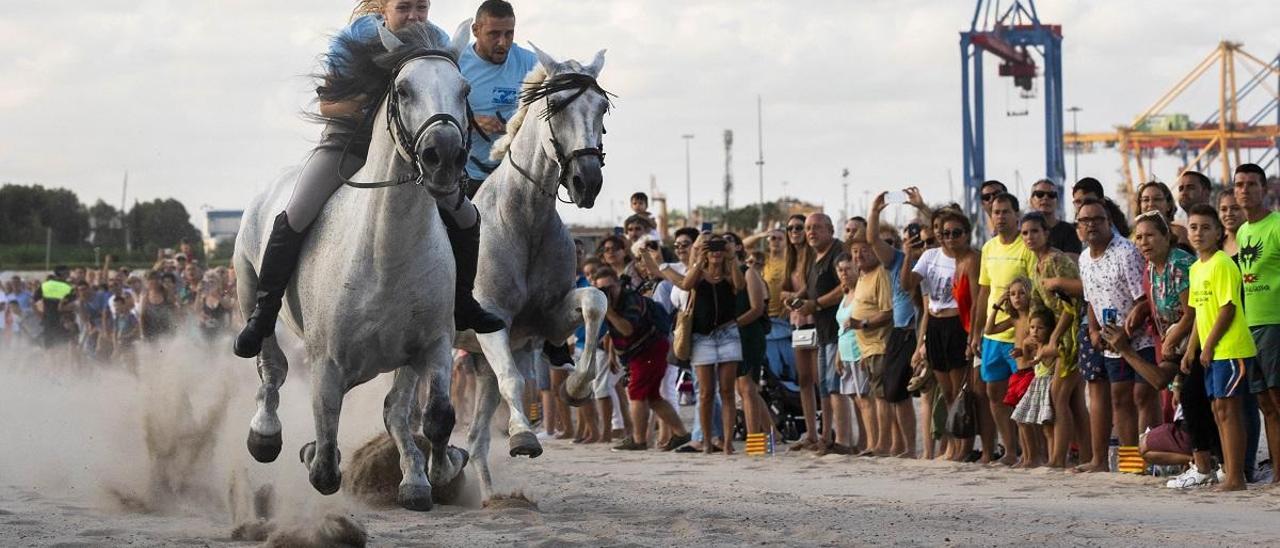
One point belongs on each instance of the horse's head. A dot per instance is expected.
(427, 105)
(573, 105)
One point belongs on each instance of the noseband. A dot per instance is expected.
(580, 84)
(407, 141)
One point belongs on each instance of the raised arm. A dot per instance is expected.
(883, 251)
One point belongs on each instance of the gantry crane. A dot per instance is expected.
(1216, 140)
(1012, 35)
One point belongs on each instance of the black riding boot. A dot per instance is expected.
(467, 313)
(279, 260)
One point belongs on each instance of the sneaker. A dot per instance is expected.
(1220, 476)
(1190, 478)
(630, 445)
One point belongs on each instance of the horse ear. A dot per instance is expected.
(461, 37)
(389, 39)
(596, 64)
(548, 62)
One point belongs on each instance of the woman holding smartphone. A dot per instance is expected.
(799, 258)
(714, 281)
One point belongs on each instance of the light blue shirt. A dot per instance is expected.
(495, 91)
(365, 29)
(904, 312)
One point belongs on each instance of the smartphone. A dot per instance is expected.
(618, 231)
(651, 244)
(706, 227)
(895, 197)
(1111, 317)
(715, 245)
(913, 230)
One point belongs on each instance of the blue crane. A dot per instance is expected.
(1012, 35)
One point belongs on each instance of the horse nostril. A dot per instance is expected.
(430, 156)
(461, 160)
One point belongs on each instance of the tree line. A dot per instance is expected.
(30, 213)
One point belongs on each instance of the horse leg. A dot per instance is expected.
(438, 419)
(589, 305)
(265, 438)
(397, 411)
(486, 402)
(321, 456)
(497, 350)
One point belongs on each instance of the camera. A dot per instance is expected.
(651, 244)
(715, 245)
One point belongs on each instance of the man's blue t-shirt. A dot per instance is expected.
(495, 91)
(904, 312)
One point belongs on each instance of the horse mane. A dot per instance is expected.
(532, 81)
(361, 66)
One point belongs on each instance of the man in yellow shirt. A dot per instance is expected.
(1004, 258)
(1221, 337)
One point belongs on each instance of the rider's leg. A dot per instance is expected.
(463, 223)
(317, 181)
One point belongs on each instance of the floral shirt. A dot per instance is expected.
(1115, 282)
(1166, 286)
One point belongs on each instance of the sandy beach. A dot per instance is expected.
(107, 459)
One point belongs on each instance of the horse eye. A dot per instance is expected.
(402, 93)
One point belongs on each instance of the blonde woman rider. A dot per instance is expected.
(319, 179)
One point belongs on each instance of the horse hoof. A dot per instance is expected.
(264, 448)
(326, 483)
(572, 401)
(525, 444)
(415, 497)
(307, 453)
(454, 492)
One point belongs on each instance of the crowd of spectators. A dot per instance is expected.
(102, 314)
(1036, 341)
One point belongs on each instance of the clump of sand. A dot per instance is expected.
(373, 474)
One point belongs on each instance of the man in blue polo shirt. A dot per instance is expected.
(495, 67)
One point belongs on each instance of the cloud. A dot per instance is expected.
(201, 100)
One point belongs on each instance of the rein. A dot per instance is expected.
(406, 146)
(580, 83)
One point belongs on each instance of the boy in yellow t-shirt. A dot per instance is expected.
(1220, 336)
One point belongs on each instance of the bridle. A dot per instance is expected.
(580, 83)
(407, 141)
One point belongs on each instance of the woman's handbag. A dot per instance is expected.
(682, 335)
(804, 339)
(962, 418)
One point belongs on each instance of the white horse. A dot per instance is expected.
(374, 289)
(527, 258)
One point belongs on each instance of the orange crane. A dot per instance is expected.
(1218, 139)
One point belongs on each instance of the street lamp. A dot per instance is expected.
(1075, 150)
(688, 182)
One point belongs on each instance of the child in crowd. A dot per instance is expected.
(1034, 414)
(1016, 302)
(1220, 337)
(126, 330)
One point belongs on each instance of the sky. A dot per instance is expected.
(202, 100)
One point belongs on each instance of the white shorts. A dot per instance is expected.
(605, 379)
(671, 384)
(723, 345)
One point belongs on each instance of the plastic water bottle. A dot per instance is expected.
(1113, 454)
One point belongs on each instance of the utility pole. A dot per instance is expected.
(728, 168)
(124, 217)
(844, 181)
(1075, 148)
(688, 182)
(760, 154)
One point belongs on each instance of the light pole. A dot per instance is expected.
(844, 181)
(688, 184)
(1075, 149)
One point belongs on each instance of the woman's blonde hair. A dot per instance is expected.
(367, 7)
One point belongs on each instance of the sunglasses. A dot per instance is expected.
(1050, 194)
(609, 249)
(774, 238)
(949, 234)
(795, 228)
(987, 197)
(682, 245)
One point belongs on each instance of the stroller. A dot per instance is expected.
(782, 396)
